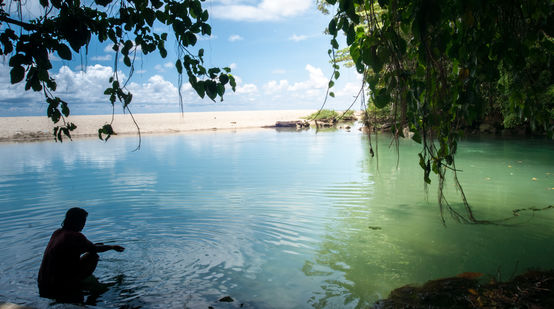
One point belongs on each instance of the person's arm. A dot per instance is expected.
(100, 247)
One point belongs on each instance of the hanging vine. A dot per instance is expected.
(434, 64)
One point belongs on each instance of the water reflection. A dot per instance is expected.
(273, 219)
(387, 231)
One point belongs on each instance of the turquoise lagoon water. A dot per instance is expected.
(274, 219)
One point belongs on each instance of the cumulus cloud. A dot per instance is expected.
(14, 100)
(264, 10)
(84, 86)
(273, 86)
(235, 37)
(156, 91)
(206, 38)
(350, 89)
(247, 89)
(84, 90)
(316, 81)
(106, 57)
(298, 38)
(313, 87)
(164, 67)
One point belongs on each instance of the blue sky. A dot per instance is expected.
(276, 49)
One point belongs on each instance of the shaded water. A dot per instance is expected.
(273, 219)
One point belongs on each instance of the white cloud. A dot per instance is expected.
(84, 86)
(259, 11)
(235, 37)
(109, 48)
(247, 89)
(317, 80)
(106, 57)
(164, 67)
(84, 90)
(156, 91)
(233, 66)
(298, 38)
(275, 87)
(350, 89)
(313, 87)
(14, 99)
(206, 38)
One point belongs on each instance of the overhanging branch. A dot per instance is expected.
(24, 25)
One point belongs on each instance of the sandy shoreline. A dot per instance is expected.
(40, 127)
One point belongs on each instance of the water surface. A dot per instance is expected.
(274, 219)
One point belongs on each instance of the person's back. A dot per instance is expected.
(68, 259)
(60, 274)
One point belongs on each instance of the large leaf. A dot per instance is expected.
(16, 74)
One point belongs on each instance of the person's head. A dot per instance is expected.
(75, 219)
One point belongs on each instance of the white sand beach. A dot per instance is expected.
(40, 127)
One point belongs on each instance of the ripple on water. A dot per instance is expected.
(309, 218)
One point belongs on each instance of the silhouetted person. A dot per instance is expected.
(68, 259)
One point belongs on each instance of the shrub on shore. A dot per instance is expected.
(328, 115)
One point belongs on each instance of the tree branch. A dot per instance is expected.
(24, 25)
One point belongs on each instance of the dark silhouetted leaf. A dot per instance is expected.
(16, 74)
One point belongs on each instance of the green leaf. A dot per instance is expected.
(162, 50)
(191, 37)
(205, 15)
(66, 132)
(220, 90)
(64, 52)
(382, 98)
(211, 89)
(416, 137)
(103, 2)
(232, 82)
(59, 135)
(65, 109)
(335, 44)
(350, 35)
(149, 16)
(127, 100)
(333, 27)
(223, 79)
(213, 72)
(16, 74)
(199, 88)
(179, 66)
(105, 130)
(332, 94)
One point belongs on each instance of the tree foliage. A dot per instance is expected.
(441, 65)
(68, 26)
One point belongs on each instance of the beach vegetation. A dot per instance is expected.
(332, 116)
(324, 115)
(66, 28)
